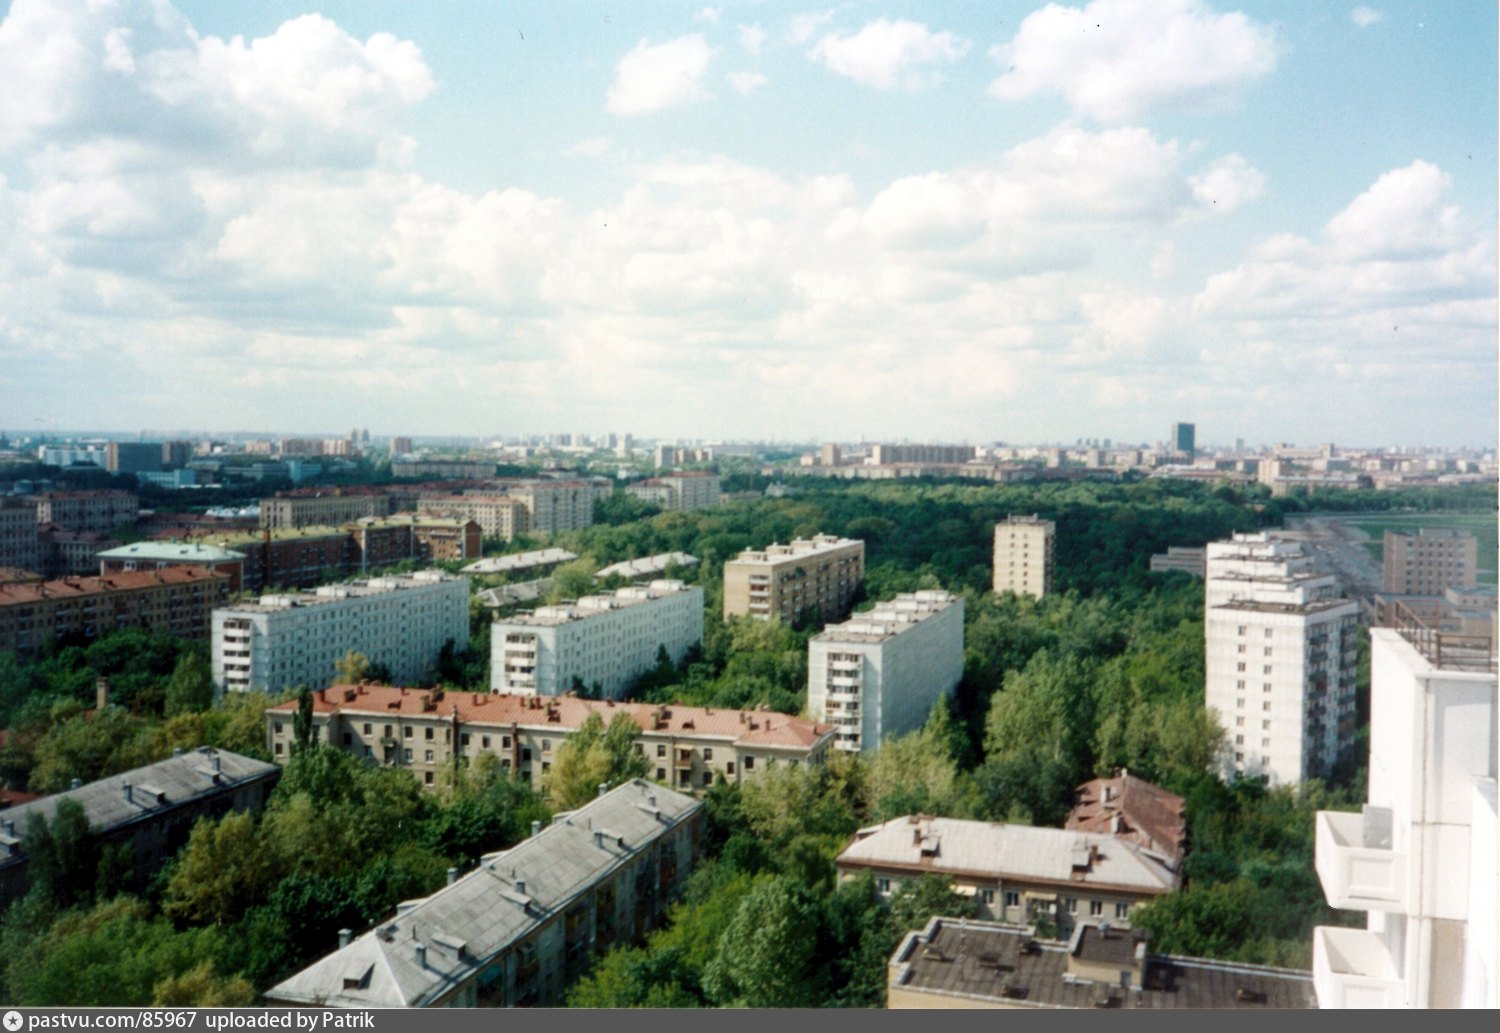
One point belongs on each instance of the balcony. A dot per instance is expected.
(1355, 862)
(1353, 969)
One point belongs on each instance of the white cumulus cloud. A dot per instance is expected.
(1115, 60)
(1364, 17)
(889, 54)
(752, 38)
(1228, 183)
(746, 83)
(664, 75)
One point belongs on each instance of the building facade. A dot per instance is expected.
(150, 810)
(178, 601)
(786, 582)
(1023, 556)
(132, 457)
(599, 642)
(886, 455)
(19, 547)
(498, 516)
(879, 673)
(87, 510)
(1280, 659)
(284, 641)
(520, 927)
(161, 555)
(1428, 561)
(1420, 857)
(1051, 878)
(555, 506)
(426, 731)
(680, 492)
(322, 508)
(1184, 437)
(1132, 808)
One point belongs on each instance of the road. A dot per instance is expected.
(1339, 547)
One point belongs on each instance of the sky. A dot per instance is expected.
(974, 221)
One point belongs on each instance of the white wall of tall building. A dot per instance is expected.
(290, 640)
(607, 640)
(897, 677)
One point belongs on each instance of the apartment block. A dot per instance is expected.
(161, 555)
(18, 535)
(425, 731)
(383, 541)
(961, 963)
(290, 559)
(1023, 555)
(442, 469)
(1280, 657)
(786, 582)
(149, 811)
(879, 673)
(555, 506)
(132, 457)
(679, 493)
(178, 601)
(886, 455)
(602, 641)
(285, 641)
(1428, 561)
(1419, 858)
(322, 508)
(498, 516)
(1050, 878)
(87, 510)
(519, 928)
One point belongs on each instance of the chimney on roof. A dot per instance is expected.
(422, 954)
(76, 783)
(346, 936)
(521, 886)
(536, 828)
(452, 876)
(129, 794)
(176, 751)
(214, 762)
(603, 788)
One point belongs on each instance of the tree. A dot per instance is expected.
(352, 668)
(90, 747)
(302, 722)
(201, 987)
(191, 687)
(593, 756)
(223, 871)
(62, 854)
(767, 956)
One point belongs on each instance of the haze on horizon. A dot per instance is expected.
(1007, 221)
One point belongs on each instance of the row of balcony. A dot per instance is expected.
(1360, 871)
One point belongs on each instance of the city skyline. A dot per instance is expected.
(752, 220)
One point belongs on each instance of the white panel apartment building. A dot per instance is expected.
(284, 641)
(1419, 859)
(879, 673)
(604, 640)
(1280, 647)
(1023, 556)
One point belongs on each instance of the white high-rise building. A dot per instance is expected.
(1420, 859)
(285, 641)
(1280, 658)
(599, 640)
(1023, 556)
(879, 673)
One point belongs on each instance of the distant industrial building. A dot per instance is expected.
(598, 642)
(879, 673)
(1280, 658)
(786, 582)
(284, 641)
(149, 811)
(1428, 561)
(519, 928)
(1023, 556)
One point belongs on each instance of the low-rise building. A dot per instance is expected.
(149, 810)
(1134, 809)
(156, 555)
(521, 926)
(879, 673)
(600, 642)
(648, 566)
(1015, 873)
(960, 963)
(426, 730)
(516, 561)
(284, 641)
(787, 582)
(177, 601)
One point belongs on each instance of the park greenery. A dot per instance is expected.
(1107, 672)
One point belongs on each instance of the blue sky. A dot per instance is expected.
(979, 221)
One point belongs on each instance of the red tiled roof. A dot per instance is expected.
(1133, 809)
(750, 727)
(73, 587)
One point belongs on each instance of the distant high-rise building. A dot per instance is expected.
(1429, 560)
(1023, 556)
(401, 446)
(1182, 437)
(132, 457)
(1280, 646)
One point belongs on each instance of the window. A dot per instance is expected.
(484, 741)
(525, 754)
(1266, 687)
(1240, 648)
(1268, 650)
(1240, 684)
(546, 745)
(278, 749)
(387, 731)
(406, 732)
(429, 734)
(749, 762)
(1266, 705)
(505, 742)
(1240, 666)
(367, 729)
(882, 885)
(1096, 907)
(348, 738)
(1242, 629)
(1239, 722)
(427, 756)
(1266, 669)
(661, 749)
(1264, 725)
(708, 779)
(1265, 743)
(708, 753)
(729, 768)
(463, 739)
(1012, 898)
(987, 897)
(407, 754)
(427, 778)
(277, 725)
(1239, 703)
(1239, 740)
(1070, 905)
(546, 766)
(1239, 758)
(661, 774)
(1268, 633)
(1122, 910)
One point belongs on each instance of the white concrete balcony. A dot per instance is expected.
(1352, 969)
(1355, 862)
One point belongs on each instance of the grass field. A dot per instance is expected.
(1483, 526)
